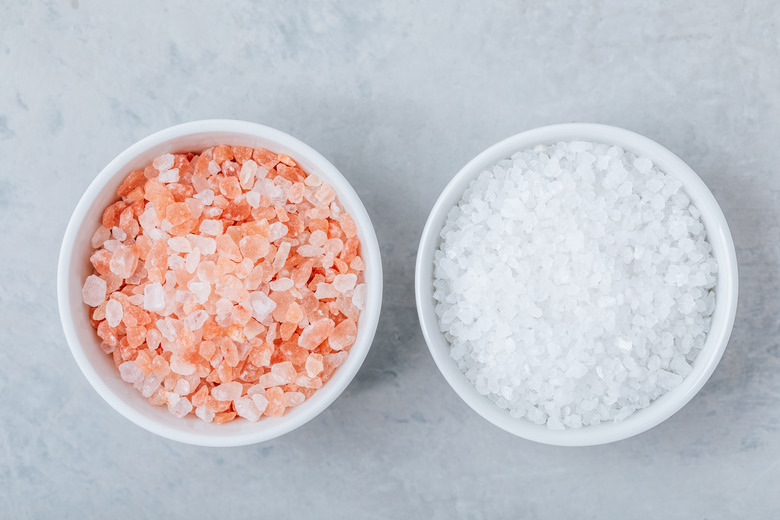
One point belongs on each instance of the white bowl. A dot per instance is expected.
(74, 267)
(722, 319)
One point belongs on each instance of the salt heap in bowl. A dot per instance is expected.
(574, 283)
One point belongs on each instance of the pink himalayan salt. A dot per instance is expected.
(315, 333)
(343, 336)
(205, 295)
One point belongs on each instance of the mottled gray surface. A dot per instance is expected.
(399, 95)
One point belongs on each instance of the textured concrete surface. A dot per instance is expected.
(399, 95)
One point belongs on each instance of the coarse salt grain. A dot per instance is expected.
(556, 281)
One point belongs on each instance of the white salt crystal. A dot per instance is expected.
(281, 284)
(94, 291)
(293, 399)
(359, 296)
(262, 305)
(260, 401)
(181, 408)
(206, 196)
(253, 199)
(100, 236)
(114, 313)
(118, 234)
(227, 391)
(245, 407)
(211, 227)
(179, 244)
(196, 320)
(163, 162)
(344, 283)
(205, 413)
(169, 176)
(276, 231)
(154, 297)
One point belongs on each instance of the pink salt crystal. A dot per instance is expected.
(153, 338)
(230, 287)
(196, 320)
(206, 196)
(325, 291)
(207, 272)
(294, 313)
(308, 382)
(227, 391)
(268, 380)
(284, 372)
(318, 238)
(118, 234)
(243, 268)
(166, 329)
(130, 373)
(180, 244)
(312, 180)
(261, 403)
(211, 227)
(295, 193)
(182, 387)
(333, 361)
(252, 329)
(357, 264)
(101, 235)
(254, 247)
(281, 284)
(175, 262)
(181, 408)
(205, 413)
(148, 219)
(359, 296)
(181, 366)
(213, 167)
(293, 399)
(281, 255)
(245, 407)
(308, 251)
(192, 260)
(124, 261)
(163, 162)
(154, 297)
(348, 225)
(200, 290)
(224, 306)
(327, 261)
(316, 333)
(207, 245)
(325, 194)
(151, 384)
(247, 174)
(343, 336)
(334, 246)
(196, 207)
(262, 305)
(111, 245)
(113, 313)
(314, 365)
(344, 282)
(94, 291)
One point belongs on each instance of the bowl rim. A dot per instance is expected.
(726, 289)
(373, 279)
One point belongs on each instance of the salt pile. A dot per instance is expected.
(226, 284)
(574, 283)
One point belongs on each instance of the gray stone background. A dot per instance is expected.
(398, 95)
